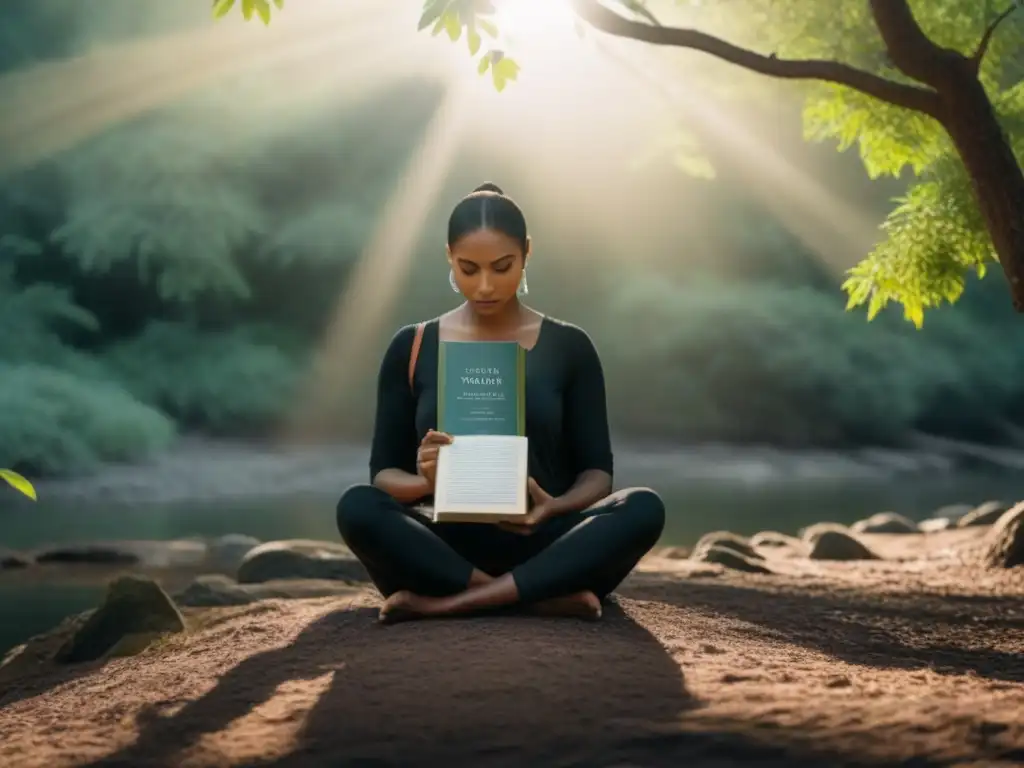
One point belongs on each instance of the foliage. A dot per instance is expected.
(918, 265)
(18, 483)
(223, 382)
(757, 363)
(56, 423)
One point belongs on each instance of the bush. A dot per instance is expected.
(760, 363)
(56, 423)
(228, 382)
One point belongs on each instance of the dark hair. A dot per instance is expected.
(487, 207)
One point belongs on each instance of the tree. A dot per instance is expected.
(929, 86)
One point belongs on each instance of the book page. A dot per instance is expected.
(482, 473)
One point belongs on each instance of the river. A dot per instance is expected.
(268, 496)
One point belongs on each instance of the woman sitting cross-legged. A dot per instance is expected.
(579, 540)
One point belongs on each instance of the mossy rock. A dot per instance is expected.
(1005, 542)
(727, 540)
(215, 590)
(133, 605)
(730, 558)
(885, 522)
(983, 514)
(831, 542)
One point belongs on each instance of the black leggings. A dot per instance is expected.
(590, 550)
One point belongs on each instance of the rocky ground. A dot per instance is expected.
(834, 646)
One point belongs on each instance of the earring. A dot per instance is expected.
(451, 281)
(524, 288)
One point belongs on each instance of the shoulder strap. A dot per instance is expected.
(414, 356)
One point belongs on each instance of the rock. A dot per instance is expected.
(730, 558)
(727, 540)
(227, 552)
(953, 511)
(936, 524)
(773, 539)
(10, 560)
(100, 554)
(133, 605)
(213, 590)
(835, 543)
(885, 522)
(983, 514)
(300, 559)
(1005, 542)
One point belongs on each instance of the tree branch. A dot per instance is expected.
(910, 49)
(907, 96)
(986, 39)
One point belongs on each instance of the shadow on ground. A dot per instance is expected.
(947, 634)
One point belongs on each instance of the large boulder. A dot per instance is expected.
(828, 541)
(214, 590)
(300, 559)
(135, 611)
(1005, 542)
(885, 522)
(983, 514)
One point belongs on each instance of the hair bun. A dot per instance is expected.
(488, 186)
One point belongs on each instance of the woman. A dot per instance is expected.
(579, 540)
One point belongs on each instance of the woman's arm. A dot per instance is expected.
(393, 450)
(590, 487)
(587, 423)
(404, 487)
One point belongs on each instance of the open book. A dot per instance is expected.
(481, 478)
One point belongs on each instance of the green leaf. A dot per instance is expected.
(473, 40)
(222, 7)
(452, 25)
(248, 7)
(485, 62)
(279, 4)
(263, 10)
(432, 11)
(503, 70)
(18, 482)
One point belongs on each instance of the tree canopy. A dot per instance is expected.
(926, 88)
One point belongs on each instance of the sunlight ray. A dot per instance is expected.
(837, 231)
(349, 346)
(52, 106)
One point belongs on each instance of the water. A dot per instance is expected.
(694, 508)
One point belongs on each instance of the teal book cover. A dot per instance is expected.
(481, 388)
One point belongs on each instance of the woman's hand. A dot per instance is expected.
(426, 456)
(543, 508)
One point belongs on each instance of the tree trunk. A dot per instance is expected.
(996, 176)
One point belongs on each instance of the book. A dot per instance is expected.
(481, 388)
(481, 391)
(481, 479)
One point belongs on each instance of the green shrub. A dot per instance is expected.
(55, 423)
(229, 382)
(759, 363)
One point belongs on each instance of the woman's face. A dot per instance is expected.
(488, 266)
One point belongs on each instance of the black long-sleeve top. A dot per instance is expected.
(566, 410)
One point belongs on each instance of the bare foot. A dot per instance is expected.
(581, 605)
(406, 606)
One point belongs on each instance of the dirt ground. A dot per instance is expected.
(915, 660)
